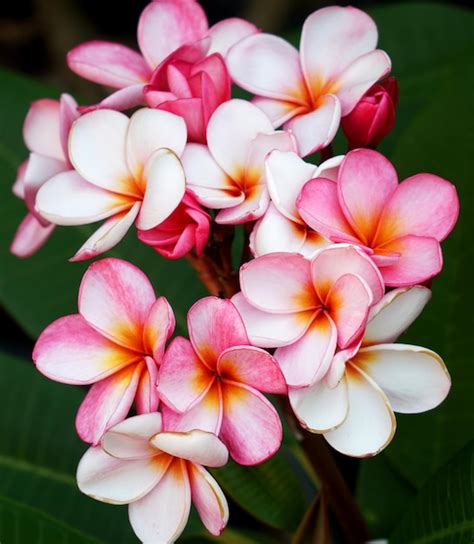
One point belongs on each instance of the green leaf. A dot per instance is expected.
(443, 512)
(20, 524)
(43, 287)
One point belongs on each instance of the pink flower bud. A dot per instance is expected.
(186, 228)
(374, 115)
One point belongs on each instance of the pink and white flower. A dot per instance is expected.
(158, 474)
(229, 174)
(307, 308)
(187, 228)
(399, 225)
(127, 171)
(115, 342)
(45, 132)
(164, 27)
(282, 228)
(214, 382)
(308, 91)
(353, 405)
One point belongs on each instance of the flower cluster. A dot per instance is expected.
(337, 262)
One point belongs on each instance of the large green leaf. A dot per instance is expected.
(443, 512)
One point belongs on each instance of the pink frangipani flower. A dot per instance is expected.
(306, 308)
(308, 91)
(353, 404)
(229, 174)
(282, 228)
(214, 382)
(131, 173)
(45, 132)
(115, 342)
(186, 228)
(158, 474)
(164, 27)
(399, 225)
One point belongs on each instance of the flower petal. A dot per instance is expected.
(41, 129)
(227, 33)
(182, 379)
(208, 499)
(307, 360)
(108, 63)
(69, 350)
(129, 439)
(251, 427)
(162, 514)
(395, 313)
(414, 379)
(68, 113)
(268, 66)
(118, 481)
(166, 25)
(123, 99)
(159, 326)
(320, 408)
(278, 111)
(147, 399)
(252, 208)
(115, 297)
(30, 236)
(253, 367)
(279, 283)
(370, 424)
(196, 446)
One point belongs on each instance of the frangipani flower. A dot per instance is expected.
(45, 132)
(308, 91)
(281, 228)
(399, 225)
(229, 175)
(115, 342)
(158, 474)
(132, 172)
(308, 308)
(213, 382)
(353, 405)
(164, 26)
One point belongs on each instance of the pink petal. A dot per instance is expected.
(130, 439)
(271, 330)
(252, 208)
(332, 39)
(191, 110)
(414, 379)
(228, 32)
(318, 205)
(30, 236)
(107, 402)
(165, 25)
(71, 351)
(115, 297)
(268, 66)
(307, 360)
(196, 446)
(316, 130)
(208, 499)
(329, 169)
(159, 327)
(348, 304)
(279, 282)
(365, 184)
(253, 367)
(41, 129)
(182, 379)
(68, 113)
(215, 325)
(18, 188)
(123, 99)
(108, 235)
(118, 481)
(370, 424)
(320, 408)
(420, 259)
(108, 63)
(357, 78)
(147, 398)
(150, 130)
(251, 427)
(422, 205)
(278, 111)
(162, 514)
(395, 313)
(336, 261)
